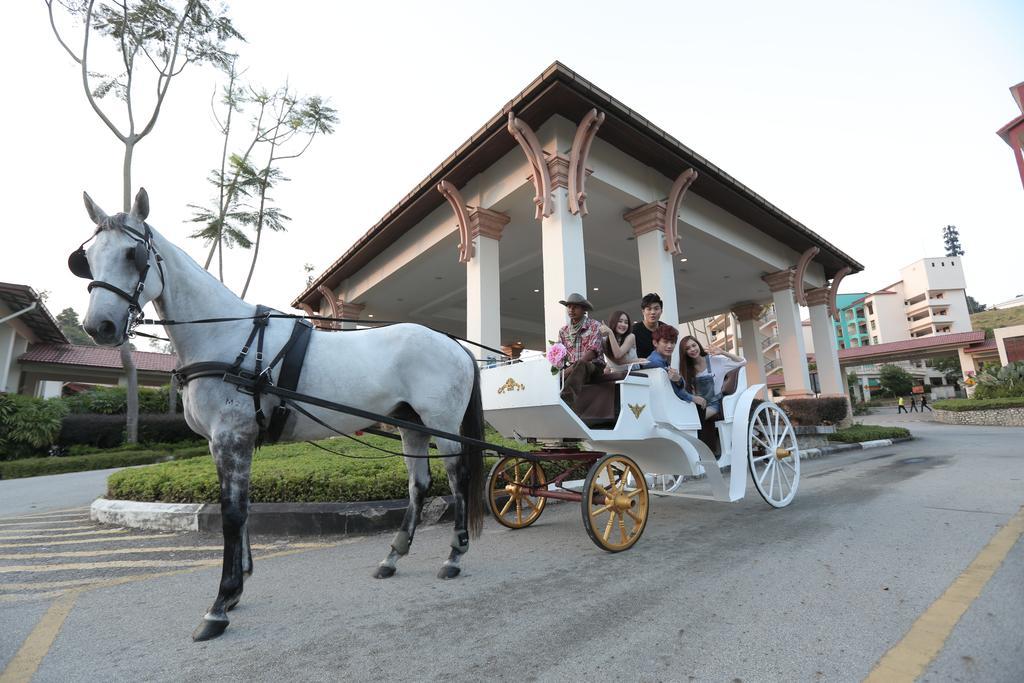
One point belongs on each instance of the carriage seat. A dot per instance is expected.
(733, 384)
(598, 402)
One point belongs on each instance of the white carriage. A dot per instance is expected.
(625, 426)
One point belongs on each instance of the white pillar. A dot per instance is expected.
(967, 365)
(747, 316)
(564, 261)
(826, 354)
(657, 272)
(791, 336)
(483, 281)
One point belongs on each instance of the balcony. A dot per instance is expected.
(719, 322)
(925, 304)
(769, 342)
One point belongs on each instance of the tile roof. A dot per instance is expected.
(935, 341)
(96, 357)
(39, 320)
(986, 346)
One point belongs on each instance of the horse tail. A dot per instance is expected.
(472, 457)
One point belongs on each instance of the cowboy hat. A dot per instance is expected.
(577, 299)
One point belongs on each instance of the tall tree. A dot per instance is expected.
(71, 326)
(154, 41)
(282, 126)
(895, 381)
(951, 238)
(973, 306)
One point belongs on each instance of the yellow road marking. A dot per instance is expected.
(153, 549)
(48, 521)
(910, 658)
(27, 597)
(26, 661)
(114, 564)
(48, 513)
(29, 585)
(77, 527)
(47, 544)
(80, 533)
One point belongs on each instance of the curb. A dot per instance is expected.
(306, 519)
(291, 519)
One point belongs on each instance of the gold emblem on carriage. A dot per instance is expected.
(637, 408)
(511, 385)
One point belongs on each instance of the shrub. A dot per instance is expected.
(107, 431)
(964, 404)
(861, 408)
(859, 432)
(33, 467)
(827, 410)
(114, 400)
(28, 425)
(1004, 382)
(894, 380)
(290, 473)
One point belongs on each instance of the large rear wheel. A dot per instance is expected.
(615, 503)
(510, 488)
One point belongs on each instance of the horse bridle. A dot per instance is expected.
(140, 254)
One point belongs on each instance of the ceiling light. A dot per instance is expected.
(536, 291)
(597, 289)
(370, 315)
(683, 260)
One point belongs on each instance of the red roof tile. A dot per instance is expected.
(919, 344)
(986, 346)
(96, 357)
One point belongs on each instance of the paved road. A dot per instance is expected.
(39, 494)
(713, 592)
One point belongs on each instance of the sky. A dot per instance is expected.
(872, 123)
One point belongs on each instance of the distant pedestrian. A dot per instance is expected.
(924, 404)
(913, 404)
(900, 406)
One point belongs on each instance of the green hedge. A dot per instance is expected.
(960, 405)
(291, 473)
(28, 425)
(34, 467)
(827, 410)
(859, 432)
(114, 400)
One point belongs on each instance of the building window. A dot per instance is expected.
(874, 340)
(873, 325)
(871, 309)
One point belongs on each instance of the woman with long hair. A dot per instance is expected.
(704, 371)
(703, 375)
(620, 342)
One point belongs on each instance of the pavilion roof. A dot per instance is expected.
(96, 357)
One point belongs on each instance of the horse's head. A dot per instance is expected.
(124, 269)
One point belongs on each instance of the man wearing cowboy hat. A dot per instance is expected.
(584, 345)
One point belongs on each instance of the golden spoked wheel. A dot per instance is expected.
(615, 503)
(509, 494)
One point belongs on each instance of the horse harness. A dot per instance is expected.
(139, 255)
(291, 357)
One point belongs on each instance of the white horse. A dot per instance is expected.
(405, 370)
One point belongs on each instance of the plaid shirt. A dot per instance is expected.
(589, 338)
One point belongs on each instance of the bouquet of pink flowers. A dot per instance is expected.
(556, 356)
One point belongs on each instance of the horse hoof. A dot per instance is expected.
(208, 629)
(448, 572)
(384, 572)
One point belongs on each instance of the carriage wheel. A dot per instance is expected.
(774, 455)
(615, 503)
(509, 492)
(661, 483)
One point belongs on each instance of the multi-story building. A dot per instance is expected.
(851, 328)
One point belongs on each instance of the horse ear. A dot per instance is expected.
(140, 209)
(95, 212)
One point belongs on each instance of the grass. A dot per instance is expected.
(1005, 317)
(959, 405)
(35, 467)
(859, 432)
(297, 472)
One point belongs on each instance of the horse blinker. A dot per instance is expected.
(79, 265)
